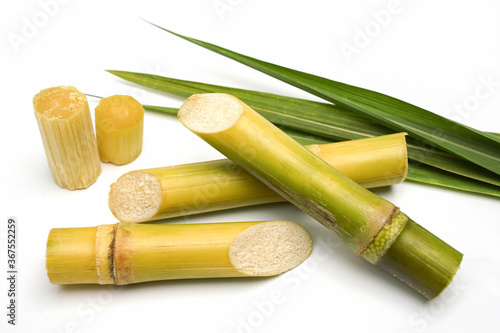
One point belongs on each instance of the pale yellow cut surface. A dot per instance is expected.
(119, 121)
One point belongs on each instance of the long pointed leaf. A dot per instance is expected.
(451, 136)
(322, 119)
(431, 176)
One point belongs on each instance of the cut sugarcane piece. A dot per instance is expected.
(370, 225)
(119, 122)
(158, 193)
(126, 253)
(371, 162)
(65, 124)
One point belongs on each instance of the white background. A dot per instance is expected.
(433, 54)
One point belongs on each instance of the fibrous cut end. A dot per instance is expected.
(135, 197)
(65, 125)
(118, 111)
(210, 113)
(270, 248)
(59, 102)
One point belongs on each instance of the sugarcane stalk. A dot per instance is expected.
(370, 225)
(126, 253)
(119, 123)
(65, 125)
(159, 193)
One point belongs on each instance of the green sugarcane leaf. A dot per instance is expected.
(321, 119)
(161, 109)
(494, 136)
(428, 175)
(469, 143)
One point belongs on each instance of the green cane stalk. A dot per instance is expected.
(370, 225)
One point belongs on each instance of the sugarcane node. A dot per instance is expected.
(111, 255)
(122, 256)
(388, 222)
